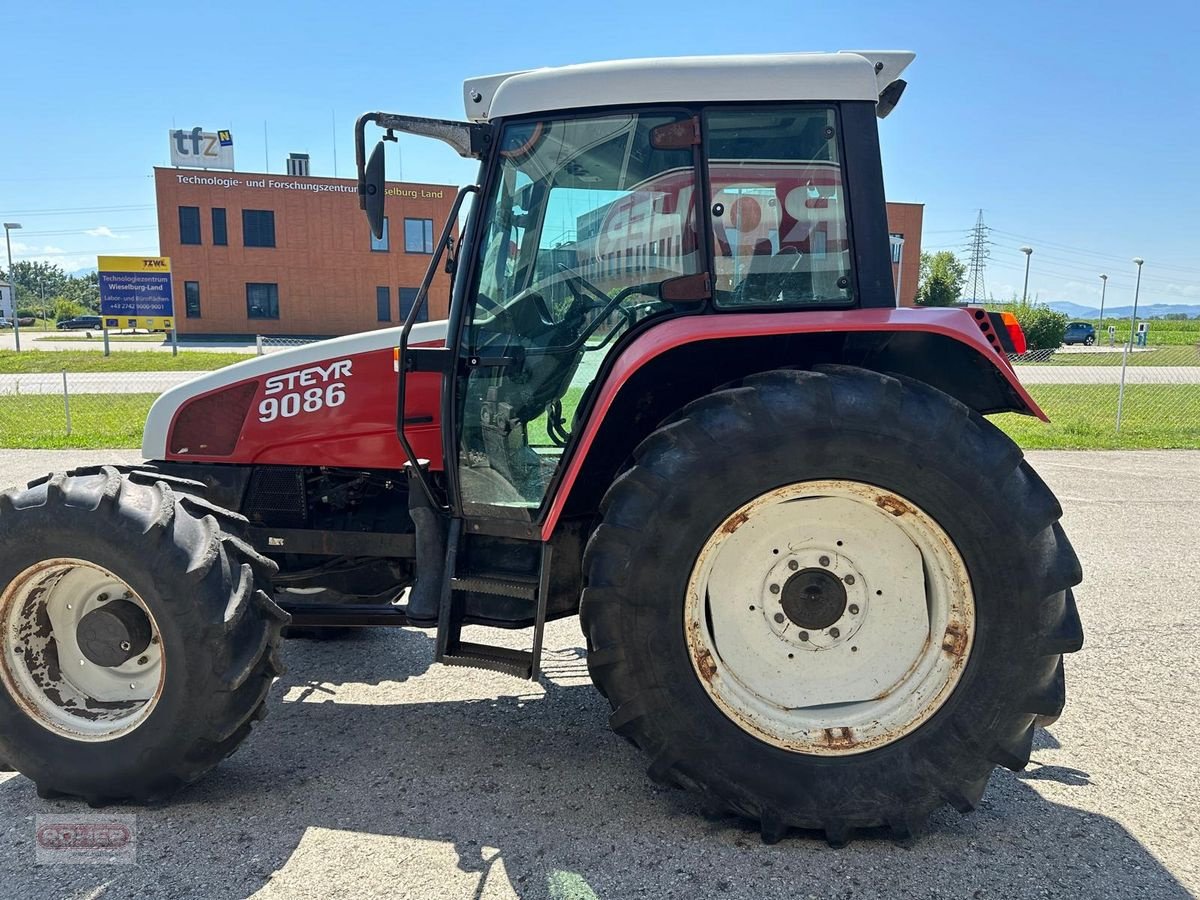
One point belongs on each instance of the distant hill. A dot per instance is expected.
(82, 273)
(1148, 311)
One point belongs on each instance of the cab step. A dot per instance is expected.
(453, 650)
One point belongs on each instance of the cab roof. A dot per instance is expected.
(846, 75)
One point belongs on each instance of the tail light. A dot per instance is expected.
(1015, 334)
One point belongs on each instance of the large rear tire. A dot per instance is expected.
(111, 581)
(830, 600)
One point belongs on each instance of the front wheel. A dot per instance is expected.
(859, 612)
(1089, 340)
(136, 645)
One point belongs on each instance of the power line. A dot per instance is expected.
(1104, 256)
(72, 210)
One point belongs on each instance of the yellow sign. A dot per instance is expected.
(133, 263)
(135, 292)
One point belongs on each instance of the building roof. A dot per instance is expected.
(847, 75)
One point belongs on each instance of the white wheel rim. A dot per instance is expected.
(44, 668)
(882, 580)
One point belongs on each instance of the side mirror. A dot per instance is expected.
(375, 195)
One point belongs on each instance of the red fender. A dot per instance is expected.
(954, 322)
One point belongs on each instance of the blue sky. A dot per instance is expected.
(1073, 126)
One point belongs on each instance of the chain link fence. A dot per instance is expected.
(79, 409)
(269, 343)
(1097, 396)
(1111, 396)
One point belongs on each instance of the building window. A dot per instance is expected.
(408, 296)
(383, 304)
(191, 299)
(189, 225)
(418, 235)
(262, 301)
(380, 244)
(258, 227)
(220, 227)
(897, 241)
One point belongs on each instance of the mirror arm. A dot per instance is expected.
(469, 139)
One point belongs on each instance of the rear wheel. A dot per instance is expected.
(137, 647)
(860, 613)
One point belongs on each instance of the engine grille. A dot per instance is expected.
(277, 496)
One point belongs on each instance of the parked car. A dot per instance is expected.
(79, 323)
(1080, 333)
(5, 323)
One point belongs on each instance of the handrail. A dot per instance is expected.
(413, 313)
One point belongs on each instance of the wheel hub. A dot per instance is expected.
(813, 599)
(114, 633)
(829, 617)
(80, 652)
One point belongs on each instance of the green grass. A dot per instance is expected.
(113, 337)
(1155, 416)
(39, 421)
(1162, 332)
(14, 363)
(1156, 356)
(1083, 417)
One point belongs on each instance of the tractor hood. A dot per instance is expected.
(328, 397)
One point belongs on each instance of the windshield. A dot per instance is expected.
(588, 216)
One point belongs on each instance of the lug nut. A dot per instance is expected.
(854, 609)
(824, 560)
(143, 660)
(833, 633)
(125, 646)
(102, 598)
(774, 589)
(803, 635)
(779, 618)
(793, 565)
(849, 579)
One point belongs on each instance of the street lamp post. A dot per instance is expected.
(1103, 288)
(12, 226)
(1137, 260)
(1028, 251)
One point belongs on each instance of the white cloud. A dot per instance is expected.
(103, 231)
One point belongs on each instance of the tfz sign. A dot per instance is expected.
(201, 149)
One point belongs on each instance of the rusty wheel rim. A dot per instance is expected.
(50, 669)
(829, 617)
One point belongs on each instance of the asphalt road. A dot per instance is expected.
(94, 382)
(1108, 374)
(381, 775)
(45, 340)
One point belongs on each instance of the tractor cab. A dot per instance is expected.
(649, 200)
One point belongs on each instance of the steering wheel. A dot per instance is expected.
(580, 289)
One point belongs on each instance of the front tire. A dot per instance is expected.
(111, 581)
(752, 715)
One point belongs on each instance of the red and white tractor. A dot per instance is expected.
(674, 395)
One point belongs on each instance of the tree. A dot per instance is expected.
(84, 291)
(941, 279)
(33, 279)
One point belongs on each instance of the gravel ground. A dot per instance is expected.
(378, 774)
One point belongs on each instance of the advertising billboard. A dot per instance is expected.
(135, 292)
(201, 149)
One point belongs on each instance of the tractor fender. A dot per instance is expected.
(679, 360)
